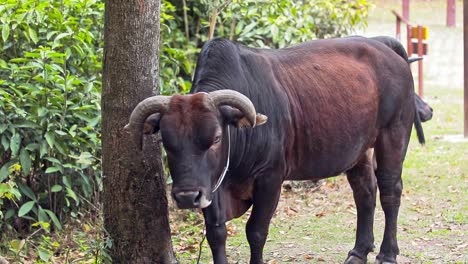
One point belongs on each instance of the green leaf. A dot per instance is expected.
(72, 130)
(16, 245)
(25, 208)
(33, 35)
(9, 214)
(4, 171)
(53, 160)
(27, 191)
(72, 194)
(50, 34)
(54, 219)
(60, 36)
(44, 255)
(5, 32)
(4, 187)
(15, 144)
(52, 169)
(42, 215)
(56, 188)
(66, 181)
(32, 54)
(85, 158)
(16, 193)
(5, 142)
(43, 149)
(60, 132)
(274, 31)
(25, 161)
(26, 124)
(19, 60)
(50, 138)
(32, 147)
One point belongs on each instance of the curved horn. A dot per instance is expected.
(237, 100)
(147, 107)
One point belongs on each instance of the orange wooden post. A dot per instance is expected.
(420, 63)
(409, 32)
(398, 30)
(451, 12)
(406, 9)
(465, 79)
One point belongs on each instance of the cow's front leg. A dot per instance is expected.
(265, 200)
(216, 235)
(215, 219)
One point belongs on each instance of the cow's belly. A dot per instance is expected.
(332, 150)
(329, 163)
(334, 115)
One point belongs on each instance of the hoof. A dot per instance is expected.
(383, 260)
(355, 260)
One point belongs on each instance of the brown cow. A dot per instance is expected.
(328, 102)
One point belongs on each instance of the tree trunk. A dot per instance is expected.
(135, 203)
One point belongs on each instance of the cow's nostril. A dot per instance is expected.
(188, 199)
(197, 199)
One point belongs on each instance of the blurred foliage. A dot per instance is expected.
(50, 107)
(50, 85)
(255, 23)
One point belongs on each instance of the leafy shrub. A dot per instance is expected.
(50, 103)
(256, 23)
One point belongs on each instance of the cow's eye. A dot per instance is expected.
(217, 139)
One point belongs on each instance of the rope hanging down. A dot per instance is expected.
(223, 174)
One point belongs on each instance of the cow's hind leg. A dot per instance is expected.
(390, 150)
(362, 180)
(265, 200)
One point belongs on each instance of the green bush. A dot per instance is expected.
(256, 23)
(50, 104)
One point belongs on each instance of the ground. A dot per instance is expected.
(316, 223)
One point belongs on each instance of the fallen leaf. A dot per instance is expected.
(320, 214)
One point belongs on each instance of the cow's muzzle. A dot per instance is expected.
(190, 199)
(425, 113)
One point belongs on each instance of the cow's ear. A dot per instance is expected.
(235, 117)
(152, 124)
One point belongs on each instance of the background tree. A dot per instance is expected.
(135, 203)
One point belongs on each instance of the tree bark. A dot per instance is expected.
(135, 203)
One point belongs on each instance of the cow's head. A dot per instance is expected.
(194, 135)
(425, 111)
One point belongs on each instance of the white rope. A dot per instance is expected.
(221, 178)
